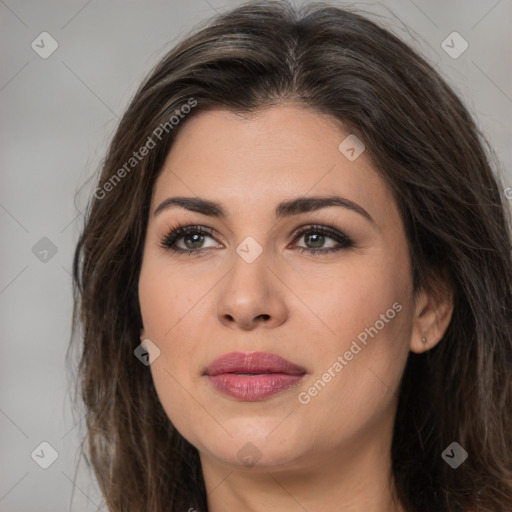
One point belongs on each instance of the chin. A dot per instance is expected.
(254, 456)
(256, 444)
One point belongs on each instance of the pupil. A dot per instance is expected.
(319, 239)
(197, 237)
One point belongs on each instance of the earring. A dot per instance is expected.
(424, 340)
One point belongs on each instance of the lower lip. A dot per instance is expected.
(252, 388)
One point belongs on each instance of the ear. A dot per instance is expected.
(142, 335)
(432, 316)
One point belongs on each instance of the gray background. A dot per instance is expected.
(58, 115)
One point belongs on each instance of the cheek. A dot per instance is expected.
(364, 343)
(178, 398)
(165, 298)
(168, 308)
(358, 374)
(357, 300)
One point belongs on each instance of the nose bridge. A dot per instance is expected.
(251, 291)
(249, 273)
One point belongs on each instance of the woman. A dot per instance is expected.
(295, 280)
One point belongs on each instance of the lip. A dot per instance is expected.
(253, 376)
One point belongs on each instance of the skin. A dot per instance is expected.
(332, 453)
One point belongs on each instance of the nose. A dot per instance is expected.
(252, 295)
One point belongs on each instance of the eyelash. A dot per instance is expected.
(179, 231)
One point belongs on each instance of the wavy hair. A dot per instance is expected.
(427, 147)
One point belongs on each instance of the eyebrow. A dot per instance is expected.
(284, 209)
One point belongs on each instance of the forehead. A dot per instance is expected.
(252, 162)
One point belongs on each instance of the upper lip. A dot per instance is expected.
(252, 362)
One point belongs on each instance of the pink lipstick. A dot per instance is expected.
(253, 376)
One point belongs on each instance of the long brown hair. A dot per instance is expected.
(427, 148)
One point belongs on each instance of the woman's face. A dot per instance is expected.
(249, 282)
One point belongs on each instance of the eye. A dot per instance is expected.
(317, 235)
(191, 239)
(191, 236)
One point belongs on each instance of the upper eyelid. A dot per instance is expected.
(210, 230)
